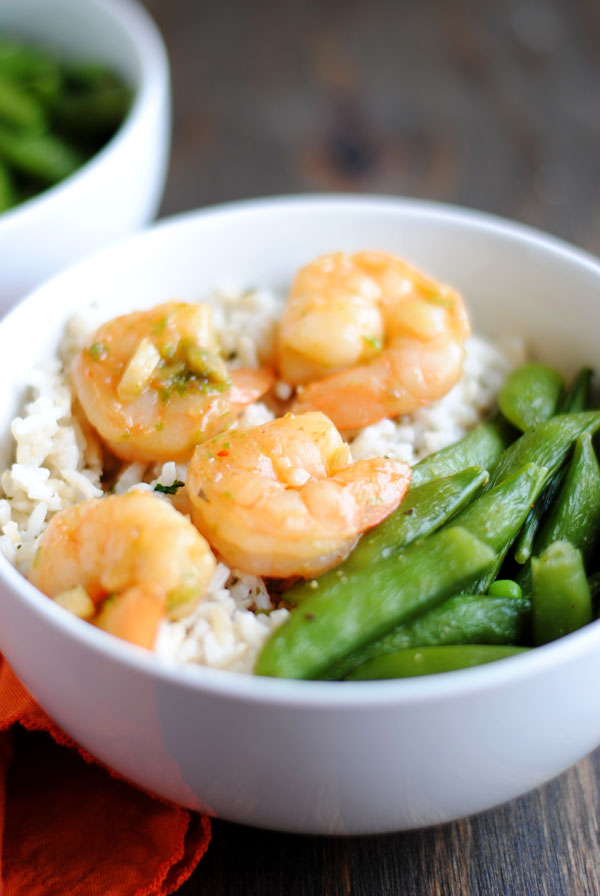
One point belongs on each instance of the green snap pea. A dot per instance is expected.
(365, 604)
(561, 600)
(415, 661)
(577, 396)
(548, 444)
(424, 509)
(575, 514)
(42, 156)
(460, 619)
(497, 515)
(530, 395)
(575, 399)
(505, 588)
(482, 447)
(527, 535)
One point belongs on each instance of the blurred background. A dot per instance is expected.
(492, 105)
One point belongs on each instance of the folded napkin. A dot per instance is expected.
(69, 825)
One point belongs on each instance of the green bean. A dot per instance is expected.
(369, 602)
(460, 619)
(505, 588)
(548, 444)
(561, 600)
(43, 156)
(482, 447)
(415, 661)
(575, 399)
(496, 516)
(530, 395)
(575, 515)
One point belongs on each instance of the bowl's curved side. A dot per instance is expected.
(120, 188)
(313, 757)
(310, 766)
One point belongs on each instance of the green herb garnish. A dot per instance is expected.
(169, 489)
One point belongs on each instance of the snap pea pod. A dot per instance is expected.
(561, 599)
(460, 619)
(496, 516)
(482, 446)
(423, 510)
(575, 399)
(575, 515)
(413, 661)
(530, 394)
(43, 156)
(524, 543)
(548, 444)
(577, 396)
(367, 603)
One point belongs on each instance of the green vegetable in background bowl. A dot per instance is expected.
(54, 116)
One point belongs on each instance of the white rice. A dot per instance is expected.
(58, 464)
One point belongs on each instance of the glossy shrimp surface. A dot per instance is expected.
(285, 499)
(153, 383)
(134, 557)
(366, 336)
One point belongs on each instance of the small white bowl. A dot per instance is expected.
(119, 189)
(315, 757)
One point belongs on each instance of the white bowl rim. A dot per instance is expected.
(131, 17)
(322, 694)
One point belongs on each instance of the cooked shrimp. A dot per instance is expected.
(153, 384)
(285, 499)
(371, 336)
(124, 562)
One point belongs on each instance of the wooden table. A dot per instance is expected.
(485, 104)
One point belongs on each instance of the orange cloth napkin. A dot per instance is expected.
(69, 825)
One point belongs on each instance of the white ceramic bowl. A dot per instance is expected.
(120, 188)
(314, 756)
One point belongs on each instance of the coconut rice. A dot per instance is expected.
(58, 463)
